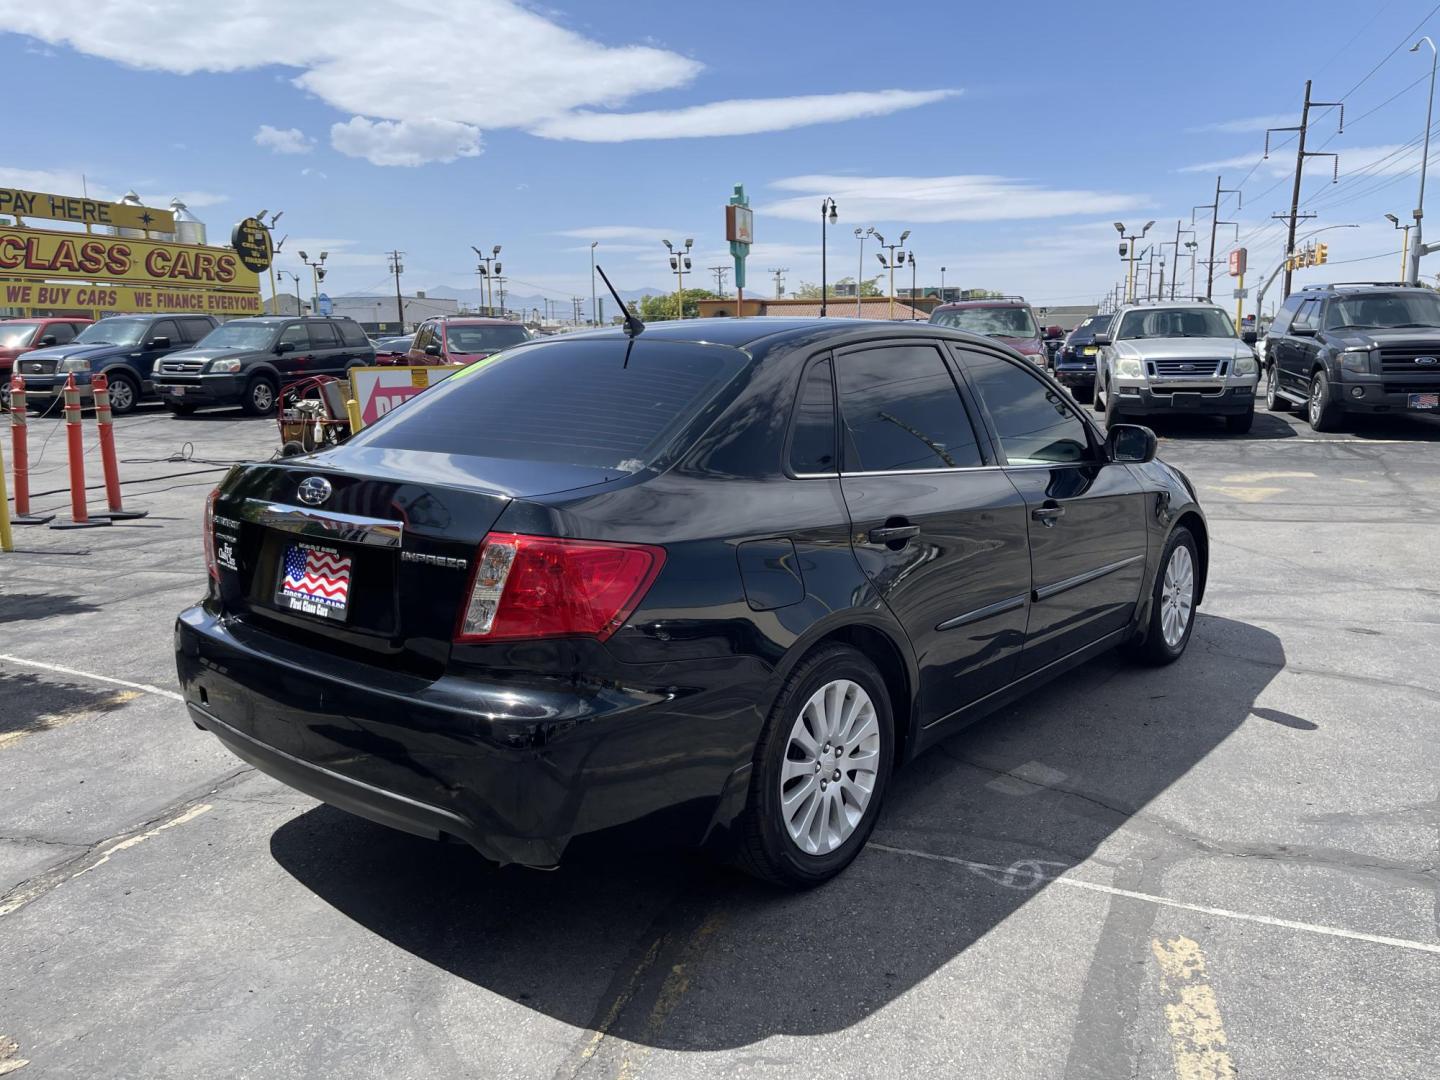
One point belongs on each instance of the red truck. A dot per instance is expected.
(19, 336)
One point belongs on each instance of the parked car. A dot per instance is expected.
(1007, 318)
(125, 347)
(463, 339)
(20, 336)
(719, 579)
(1074, 363)
(247, 362)
(1173, 357)
(1341, 349)
(393, 350)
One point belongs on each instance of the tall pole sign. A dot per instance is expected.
(740, 231)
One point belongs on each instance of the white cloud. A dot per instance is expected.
(622, 232)
(868, 199)
(317, 173)
(284, 140)
(745, 116)
(405, 142)
(1247, 124)
(505, 65)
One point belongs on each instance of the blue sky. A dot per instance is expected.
(1006, 139)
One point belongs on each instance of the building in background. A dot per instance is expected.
(378, 313)
(871, 307)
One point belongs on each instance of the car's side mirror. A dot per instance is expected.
(1303, 331)
(284, 347)
(47, 340)
(1101, 339)
(1133, 444)
(432, 350)
(1249, 337)
(161, 342)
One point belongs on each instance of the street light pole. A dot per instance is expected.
(679, 262)
(1129, 254)
(896, 259)
(594, 299)
(486, 272)
(913, 309)
(827, 214)
(860, 273)
(1418, 247)
(317, 275)
(1404, 246)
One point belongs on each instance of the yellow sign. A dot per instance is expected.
(84, 211)
(40, 255)
(29, 296)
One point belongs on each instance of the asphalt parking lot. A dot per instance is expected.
(1222, 868)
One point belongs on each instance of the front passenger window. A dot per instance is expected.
(1034, 423)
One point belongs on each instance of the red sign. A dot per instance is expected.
(1237, 262)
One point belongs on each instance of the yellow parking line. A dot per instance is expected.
(1197, 1034)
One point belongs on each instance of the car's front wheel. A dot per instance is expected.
(820, 770)
(1273, 401)
(259, 396)
(1113, 415)
(124, 394)
(1172, 603)
(1323, 414)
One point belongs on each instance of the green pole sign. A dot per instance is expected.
(740, 231)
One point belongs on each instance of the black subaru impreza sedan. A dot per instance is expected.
(722, 578)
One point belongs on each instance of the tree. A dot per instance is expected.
(808, 290)
(662, 307)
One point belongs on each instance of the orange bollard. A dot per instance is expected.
(75, 445)
(105, 424)
(19, 445)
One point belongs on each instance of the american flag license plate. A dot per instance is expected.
(1425, 401)
(314, 580)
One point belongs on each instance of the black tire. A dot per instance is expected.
(124, 393)
(1095, 402)
(1113, 415)
(180, 410)
(5, 392)
(293, 449)
(1273, 401)
(1239, 425)
(1322, 413)
(765, 847)
(1083, 395)
(259, 398)
(1150, 647)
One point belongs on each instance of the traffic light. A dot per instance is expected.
(1322, 254)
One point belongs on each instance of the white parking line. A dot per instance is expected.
(146, 687)
(1031, 870)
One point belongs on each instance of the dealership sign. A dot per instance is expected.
(39, 204)
(381, 389)
(55, 297)
(39, 255)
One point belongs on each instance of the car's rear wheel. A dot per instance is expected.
(124, 393)
(1172, 603)
(821, 769)
(259, 396)
(1273, 401)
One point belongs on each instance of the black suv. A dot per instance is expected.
(1371, 348)
(1074, 362)
(247, 361)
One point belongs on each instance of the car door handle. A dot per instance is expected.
(891, 533)
(1048, 515)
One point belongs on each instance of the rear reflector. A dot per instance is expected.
(544, 586)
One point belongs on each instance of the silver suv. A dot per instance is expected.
(1176, 357)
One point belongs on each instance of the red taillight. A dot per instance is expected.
(543, 586)
(210, 564)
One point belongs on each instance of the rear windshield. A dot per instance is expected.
(569, 402)
(1095, 324)
(996, 321)
(474, 339)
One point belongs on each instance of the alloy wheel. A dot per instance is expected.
(832, 763)
(122, 395)
(1177, 595)
(1315, 404)
(262, 397)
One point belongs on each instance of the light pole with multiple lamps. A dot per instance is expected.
(1404, 245)
(1127, 242)
(942, 284)
(861, 234)
(317, 275)
(486, 271)
(827, 214)
(299, 304)
(897, 258)
(679, 262)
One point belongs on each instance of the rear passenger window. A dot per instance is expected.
(352, 335)
(192, 330)
(1035, 425)
(902, 412)
(62, 332)
(812, 444)
(323, 336)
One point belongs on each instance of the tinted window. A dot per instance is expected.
(323, 336)
(1308, 315)
(424, 336)
(812, 443)
(1411, 308)
(1177, 322)
(193, 330)
(352, 335)
(61, 331)
(1286, 313)
(901, 411)
(1034, 424)
(296, 334)
(486, 339)
(165, 328)
(570, 402)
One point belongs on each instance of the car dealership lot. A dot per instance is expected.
(1224, 864)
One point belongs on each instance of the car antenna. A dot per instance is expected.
(633, 326)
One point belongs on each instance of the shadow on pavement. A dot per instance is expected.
(18, 607)
(1039, 785)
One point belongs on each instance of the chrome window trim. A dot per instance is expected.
(326, 524)
(998, 608)
(1045, 592)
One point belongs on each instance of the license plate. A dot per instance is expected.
(314, 580)
(1185, 401)
(1089, 350)
(178, 391)
(1425, 401)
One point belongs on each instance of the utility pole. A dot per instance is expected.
(500, 284)
(594, 298)
(1214, 208)
(780, 273)
(397, 268)
(719, 272)
(1300, 155)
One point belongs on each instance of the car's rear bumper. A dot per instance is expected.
(1075, 376)
(515, 770)
(1228, 401)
